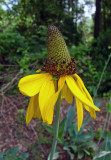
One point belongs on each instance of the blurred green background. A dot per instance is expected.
(23, 27)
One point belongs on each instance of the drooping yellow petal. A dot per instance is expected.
(79, 113)
(80, 87)
(33, 109)
(85, 92)
(48, 116)
(61, 82)
(77, 93)
(30, 111)
(46, 91)
(80, 83)
(92, 113)
(37, 113)
(86, 107)
(67, 94)
(30, 85)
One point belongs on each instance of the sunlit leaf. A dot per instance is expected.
(55, 156)
(102, 154)
(48, 128)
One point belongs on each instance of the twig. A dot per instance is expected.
(7, 87)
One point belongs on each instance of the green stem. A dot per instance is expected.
(105, 126)
(107, 135)
(56, 129)
(103, 71)
(102, 133)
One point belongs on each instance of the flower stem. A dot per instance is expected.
(103, 71)
(102, 133)
(56, 129)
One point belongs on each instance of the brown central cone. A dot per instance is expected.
(58, 60)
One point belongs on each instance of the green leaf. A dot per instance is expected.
(107, 134)
(102, 154)
(108, 107)
(73, 132)
(55, 156)
(74, 147)
(21, 110)
(69, 152)
(61, 128)
(24, 155)
(12, 151)
(70, 118)
(107, 141)
(86, 151)
(80, 154)
(1, 156)
(85, 122)
(48, 128)
(92, 145)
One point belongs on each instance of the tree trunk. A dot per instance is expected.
(97, 19)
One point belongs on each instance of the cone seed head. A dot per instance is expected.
(58, 60)
(56, 46)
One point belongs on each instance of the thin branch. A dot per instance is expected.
(7, 86)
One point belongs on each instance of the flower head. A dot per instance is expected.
(58, 62)
(41, 87)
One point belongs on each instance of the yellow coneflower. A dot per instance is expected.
(59, 76)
